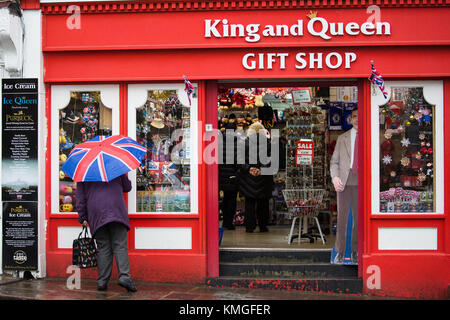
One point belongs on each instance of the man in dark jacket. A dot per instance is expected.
(228, 176)
(102, 206)
(255, 186)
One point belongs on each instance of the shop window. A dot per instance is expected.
(409, 156)
(79, 114)
(82, 119)
(163, 124)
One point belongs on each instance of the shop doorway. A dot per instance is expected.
(306, 121)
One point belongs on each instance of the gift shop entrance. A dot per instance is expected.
(289, 201)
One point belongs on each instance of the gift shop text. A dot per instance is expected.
(303, 60)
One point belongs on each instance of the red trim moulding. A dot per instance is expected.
(212, 192)
(446, 228)
(202, 166)
(198, 5)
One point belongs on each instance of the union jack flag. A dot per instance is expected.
(104, 158)
(189, 88)
(376, 78)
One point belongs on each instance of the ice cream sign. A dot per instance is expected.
(305, 152)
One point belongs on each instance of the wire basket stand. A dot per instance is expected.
(303, 203)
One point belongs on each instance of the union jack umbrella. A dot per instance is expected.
(103, 158)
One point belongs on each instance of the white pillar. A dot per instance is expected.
(33, 68)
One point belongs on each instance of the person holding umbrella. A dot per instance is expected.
(99, 166)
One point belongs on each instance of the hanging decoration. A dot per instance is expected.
(377, 79)
(189, 88)
(387, 159)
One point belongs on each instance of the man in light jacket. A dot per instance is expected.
(344, 175)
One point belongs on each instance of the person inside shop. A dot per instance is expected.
(255, 185)
(101, 205)
(228, 175)
(344, 175)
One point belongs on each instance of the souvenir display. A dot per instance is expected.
(82, 119)
(163, 182)
(237, 108)
(305, 122)
(406, 153)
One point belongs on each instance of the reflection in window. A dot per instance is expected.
(84, 118)
(406, 152)
(163, 183)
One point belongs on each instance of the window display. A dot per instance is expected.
(407, 161)
(163, 126)
(82, 119)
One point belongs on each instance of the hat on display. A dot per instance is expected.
(157, 123)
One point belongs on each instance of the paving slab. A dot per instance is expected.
(57, 289)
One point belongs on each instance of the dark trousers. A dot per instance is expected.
(111, 242)
(256, 209)
(229, 207)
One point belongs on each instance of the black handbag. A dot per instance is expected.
(84, 252)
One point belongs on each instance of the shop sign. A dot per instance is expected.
(305, 152)
(316, 27)
(20, 235)
(302, 95)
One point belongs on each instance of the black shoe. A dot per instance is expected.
(263, 229)
(339, 258)
(102, 288)
(127, 285)
(249, 230)
(230, 228)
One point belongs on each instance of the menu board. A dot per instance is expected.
(20, 236)
(20, 173)
(19, 139)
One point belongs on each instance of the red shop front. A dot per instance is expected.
(124, 57)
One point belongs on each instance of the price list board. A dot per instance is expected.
(20, 173)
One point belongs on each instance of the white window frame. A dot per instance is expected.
(433, 92)
(137, 97)
(60, 98)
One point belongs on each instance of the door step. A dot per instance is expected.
(285, 269)
(342, 286)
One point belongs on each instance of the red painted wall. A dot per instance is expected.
(117, 44)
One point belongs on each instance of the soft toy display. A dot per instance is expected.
(64, 141)
(89, 130)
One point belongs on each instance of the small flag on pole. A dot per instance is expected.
(189, 88)
(376, 78)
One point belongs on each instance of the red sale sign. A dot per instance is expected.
(305, 152)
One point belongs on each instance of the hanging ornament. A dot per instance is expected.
(393, 174)
(388, 135)
(421, 177)
(405, 142)
(422, 136)
(145, 129)
(387, 159)
(418, 155)
(405, 161)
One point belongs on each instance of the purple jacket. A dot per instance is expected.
(100, 203)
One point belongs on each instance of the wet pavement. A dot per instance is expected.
(58, 289)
